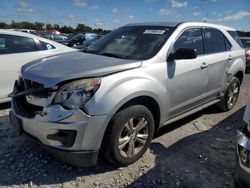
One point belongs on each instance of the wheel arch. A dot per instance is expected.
(239, 75)
(144, 100)
(150, 103)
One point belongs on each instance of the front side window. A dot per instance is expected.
(191, 38)
(214, 41)
(132, 42)
(16, 44)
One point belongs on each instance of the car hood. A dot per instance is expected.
(73, 65)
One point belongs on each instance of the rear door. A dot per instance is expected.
(218, 53)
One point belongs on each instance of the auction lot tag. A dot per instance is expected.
(154, 32)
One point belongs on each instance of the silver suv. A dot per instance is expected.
(114, 96)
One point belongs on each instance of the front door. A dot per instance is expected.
(187, 78)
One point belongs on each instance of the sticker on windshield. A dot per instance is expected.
(154, 32)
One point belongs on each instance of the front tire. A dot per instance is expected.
(128, 135)
(231, 96)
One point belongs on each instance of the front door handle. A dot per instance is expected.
(204, 65)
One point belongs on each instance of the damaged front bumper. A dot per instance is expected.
(70, 135)
(243, 157)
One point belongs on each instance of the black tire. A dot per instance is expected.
(118, 126)
(224, 104)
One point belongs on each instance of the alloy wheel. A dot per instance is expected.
(133, 137)
(233, 95)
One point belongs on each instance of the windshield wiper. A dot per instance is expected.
(111, 55)
(86, 50)
(103, 53)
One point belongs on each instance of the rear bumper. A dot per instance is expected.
(243, 166)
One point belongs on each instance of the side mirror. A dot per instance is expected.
(183, 53)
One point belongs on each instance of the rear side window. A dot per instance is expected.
(10, 44)
(46, 46)
(236, 37)
(191, 38)
(214, 41)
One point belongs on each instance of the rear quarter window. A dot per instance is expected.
(46, 46)
(236, 37)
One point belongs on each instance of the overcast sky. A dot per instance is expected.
(109, 14)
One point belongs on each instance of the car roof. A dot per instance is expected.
(176, 24)
(170, 24)
(17, 33)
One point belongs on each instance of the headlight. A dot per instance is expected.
(77, 93)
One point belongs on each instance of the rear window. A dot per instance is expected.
(236, 37)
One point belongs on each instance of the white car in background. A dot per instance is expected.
(17, 49)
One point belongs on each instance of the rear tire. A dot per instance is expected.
(231, 96)
(128, 135)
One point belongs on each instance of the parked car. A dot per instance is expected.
(82, 40)
(243, 152)
(47, 32)
(246, 43)
(116, 95)
(57, 38)
(18, 48)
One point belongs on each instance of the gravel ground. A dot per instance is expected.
(197, 151)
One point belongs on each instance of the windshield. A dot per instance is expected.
(132, 42)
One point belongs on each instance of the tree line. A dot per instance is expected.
(63, 29)
(68, 29)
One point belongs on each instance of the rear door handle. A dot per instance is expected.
(204, 65)
(230, 58)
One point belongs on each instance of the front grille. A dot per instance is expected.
(22, 88)
(25, 109)
(35, 88)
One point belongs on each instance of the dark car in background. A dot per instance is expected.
(246, 43)
(82, 40)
